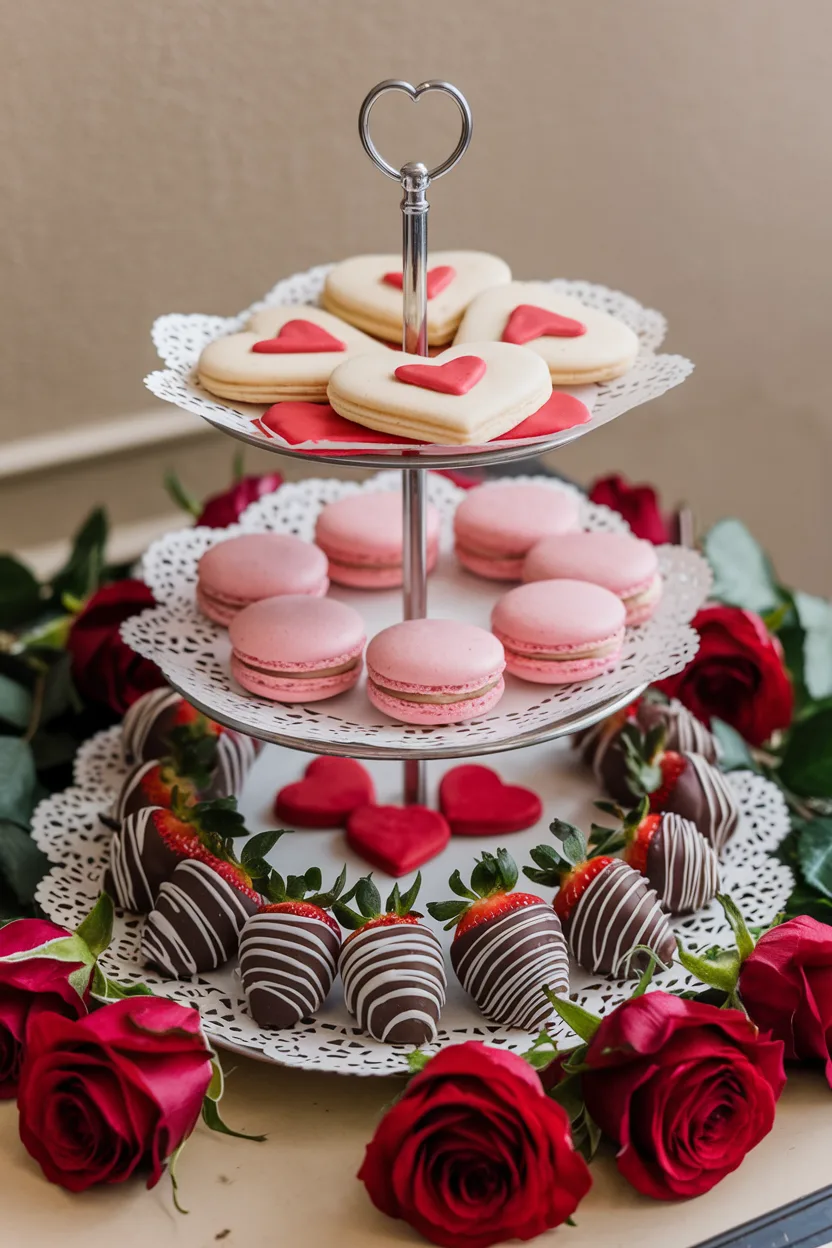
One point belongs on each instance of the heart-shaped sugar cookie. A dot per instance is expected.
(369, 390)
(580, 345)
(475, 802)
(397, 839)
(330, 789)
(361, 291)
(286, 353)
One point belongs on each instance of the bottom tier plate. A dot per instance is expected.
(67, 827)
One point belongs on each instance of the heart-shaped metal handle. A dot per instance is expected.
(414, 93)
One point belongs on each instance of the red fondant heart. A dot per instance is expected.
(456, 377)
(299, 338)
(330, 789)
(437, 279)
(560, 411)
(528, 322)
(397, 839)
(475, 802)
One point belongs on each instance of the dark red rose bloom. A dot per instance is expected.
(737, 675)
(465, 478)
(45, 982)
(638, 504)
(223, 509)
(684, 1089)
(105, 670)
(475, 1153)
(786, 986)
(113, 1093)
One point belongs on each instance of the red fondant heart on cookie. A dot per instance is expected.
(475, 802)
(298, 338)
(528, 322)
(437, 280)
(456, 377)
(330, 789)
(397, 839)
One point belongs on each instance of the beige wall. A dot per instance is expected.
(183, 154)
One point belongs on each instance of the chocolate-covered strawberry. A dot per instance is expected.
(681, 784)
(200, 767)
(289, 949)
(201, 910)
(150, 843)
(609, 912)
(670, 851)
(391, 966)
(507, 947)
(146, 728)
(603, 750)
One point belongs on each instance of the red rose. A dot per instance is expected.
(112, 1093)
(465, 478)
(223, 509)
(105, 670)
(786, 986)
(46, 980)
(737, 675)
(683, 1088)
(474, 1152)
(638, 504)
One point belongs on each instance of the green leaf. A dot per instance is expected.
(17, 780)
(457, 886)
(20, 593)
(180, 495)
(259, 846)
(814, 854)
(408, 900)
(210, 1106)
(22, 864)
(441, 910)
(582, 1022)
(721, 974)
(815, 615)
(484, 875)
(744, 939)
(805, 900)
(238, 466)
(742, 573)
(97, 928)
(15, 703)
(53, 749)
(313, 879)
(806, 768)
(734, 753)
(417, 1061)
(81, 574)
(507, 868)
(118, 992)
(368, 897)
(59, 693)
(573, 845)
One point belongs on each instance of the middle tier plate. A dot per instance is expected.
(194, 653)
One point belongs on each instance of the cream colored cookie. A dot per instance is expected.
(316, 342)
(513, 384)
(356, 291)
(606, 348)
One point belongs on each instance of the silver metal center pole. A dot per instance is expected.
(415, 182)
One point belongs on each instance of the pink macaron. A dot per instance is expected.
(242, 570)
(495, 526)
(362, 538)
(555, 632)
(623, 564)
(434, 671)
(297, 648)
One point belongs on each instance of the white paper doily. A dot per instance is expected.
(67, 828)
(194, 653)
(179, 340)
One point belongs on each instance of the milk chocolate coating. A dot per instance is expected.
(685, 733)
(146, 729)
(681, 865)
(617, 911)
(196, 923)
(505, 963)
(288, 964)
(394, 982)
(703, 795)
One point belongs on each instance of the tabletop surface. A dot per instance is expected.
(300, 1188)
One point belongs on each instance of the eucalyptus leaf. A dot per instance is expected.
(22, 864)
(20, 593)
(742, 573)
(814, 854)
(734, 753)
(806, 769)
(815, 616)
(15, 703)
(81, 574)
(17, 780)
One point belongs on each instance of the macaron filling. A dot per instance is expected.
(426, 697)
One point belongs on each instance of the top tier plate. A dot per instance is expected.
(179, 340)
